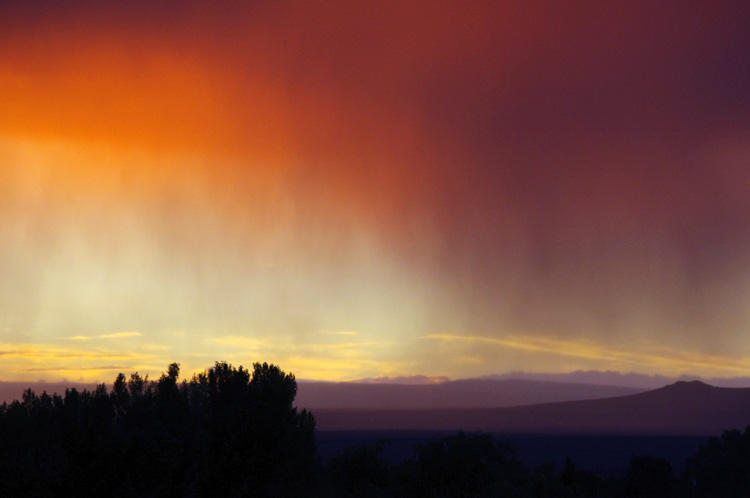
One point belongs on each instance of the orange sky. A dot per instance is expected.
(359, 190)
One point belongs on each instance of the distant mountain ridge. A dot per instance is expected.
(614, 378)
(469, 393)
(683, 408)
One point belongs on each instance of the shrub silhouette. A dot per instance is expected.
(461, 465)
(721, 468)
(467, 465)
(361, 471)
(650, 477)
(226, 432)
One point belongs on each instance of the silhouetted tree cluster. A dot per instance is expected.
(458, 466)
(227, 432)
(476, 465)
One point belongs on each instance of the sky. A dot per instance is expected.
(374, 189)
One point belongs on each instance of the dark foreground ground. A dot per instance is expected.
(602, 455)
(231, 432)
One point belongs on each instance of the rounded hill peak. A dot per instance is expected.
(688, 384)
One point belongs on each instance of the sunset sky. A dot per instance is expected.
(363, 189)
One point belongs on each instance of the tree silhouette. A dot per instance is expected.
(221, 433)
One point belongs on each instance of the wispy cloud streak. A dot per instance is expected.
(598, 354)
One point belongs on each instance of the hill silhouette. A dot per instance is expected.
(683, 408)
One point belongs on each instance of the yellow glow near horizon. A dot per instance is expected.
(608, 357)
